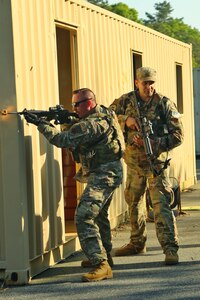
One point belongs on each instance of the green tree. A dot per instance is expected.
(119, 8)
(163, 11)
(174, 27)
(101, 3)
(123, 10)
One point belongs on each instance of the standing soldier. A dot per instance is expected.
(167, 133)
(97, 143)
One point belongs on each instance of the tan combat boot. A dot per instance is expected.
(100, 272)
(88, 264)
(171, 257)
(130, 249)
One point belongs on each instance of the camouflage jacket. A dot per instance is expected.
(94, 141)
(166, 124)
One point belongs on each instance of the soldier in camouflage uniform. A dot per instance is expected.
(167, 134)
(97, 143)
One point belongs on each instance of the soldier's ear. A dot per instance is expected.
(91, 103)
(136, 83)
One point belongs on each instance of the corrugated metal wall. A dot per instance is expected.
(102, 44)
(105, 44)
(14, 247)
(196, 77)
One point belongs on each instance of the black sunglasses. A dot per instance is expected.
(76, 104)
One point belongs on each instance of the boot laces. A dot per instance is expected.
(95, 270)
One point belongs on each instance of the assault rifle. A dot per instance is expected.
(56, 113)
(146, 131)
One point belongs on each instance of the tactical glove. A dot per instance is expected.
(34, 119)
(31, 118)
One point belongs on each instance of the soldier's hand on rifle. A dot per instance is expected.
(34, 119)
(132, 123)
(65, 117)
(138, 141)
(62, 118)
(31, 118)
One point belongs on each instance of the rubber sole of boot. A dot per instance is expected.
(171, 263)
(86, 279)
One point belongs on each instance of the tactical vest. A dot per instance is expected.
(106, 148)
(154, 111)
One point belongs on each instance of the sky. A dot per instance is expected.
(188, 10)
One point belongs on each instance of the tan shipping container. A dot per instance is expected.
(48, 48)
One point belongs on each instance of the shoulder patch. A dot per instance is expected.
(175, 115)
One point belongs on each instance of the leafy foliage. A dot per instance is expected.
(160, 21)
(101, 3)
(124, 11)
(119, 8)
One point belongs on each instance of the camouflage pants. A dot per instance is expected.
(92, 223)
(160, 193)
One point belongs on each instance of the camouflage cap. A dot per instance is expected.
(146, 74)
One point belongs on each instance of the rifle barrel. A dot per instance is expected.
(4, 112)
